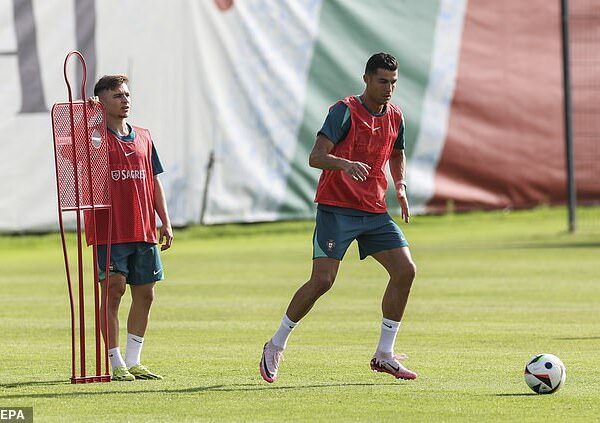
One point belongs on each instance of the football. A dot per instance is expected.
(545, 373)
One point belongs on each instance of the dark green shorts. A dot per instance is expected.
(374, 232)
(139, 262)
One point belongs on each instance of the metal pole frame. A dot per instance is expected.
(571, 189)
(98, 323)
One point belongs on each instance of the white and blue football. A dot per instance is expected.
(545, 373)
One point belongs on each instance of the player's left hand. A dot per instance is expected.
(166, 237)
(403, 201)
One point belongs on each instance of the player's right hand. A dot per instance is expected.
(358, 170)
(92, 101)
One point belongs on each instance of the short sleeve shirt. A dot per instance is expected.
(157, 168)
(338, 121)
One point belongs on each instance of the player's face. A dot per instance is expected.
(116, 102)
(381, 85)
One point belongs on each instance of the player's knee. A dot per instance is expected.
(145, 296)
(148, 297)
(322, 283)
(405, 274)
(410, 271)
(115, 293)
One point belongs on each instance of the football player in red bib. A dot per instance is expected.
(361, 135)
(137, 196)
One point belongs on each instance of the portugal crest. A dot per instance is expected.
(330, 245)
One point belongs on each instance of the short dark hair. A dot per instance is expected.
(110, 82)
(381, 61)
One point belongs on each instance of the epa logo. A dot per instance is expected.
(16, 414)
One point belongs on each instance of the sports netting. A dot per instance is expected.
(584, 46)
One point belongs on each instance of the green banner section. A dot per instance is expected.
(350, 31)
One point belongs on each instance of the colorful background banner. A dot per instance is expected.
(242, 88)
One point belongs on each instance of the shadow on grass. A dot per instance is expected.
(35, 383)
(528, 394)
(551, 245)
(517, 245)
(248, 387)
(581, 338)
(527, 245)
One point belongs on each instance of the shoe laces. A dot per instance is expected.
(400, 357)
(395, 357)
(276, 354)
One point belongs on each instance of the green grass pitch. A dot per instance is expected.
(492, 290)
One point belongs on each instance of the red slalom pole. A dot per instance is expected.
(83, 186)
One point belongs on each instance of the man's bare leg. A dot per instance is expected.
(116, 289)
(324, 271)
(402, 270)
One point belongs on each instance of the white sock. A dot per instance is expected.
(389, 330)
(134, 350)
(115, 357)
(283, 333)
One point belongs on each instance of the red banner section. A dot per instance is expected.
(505, 145)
